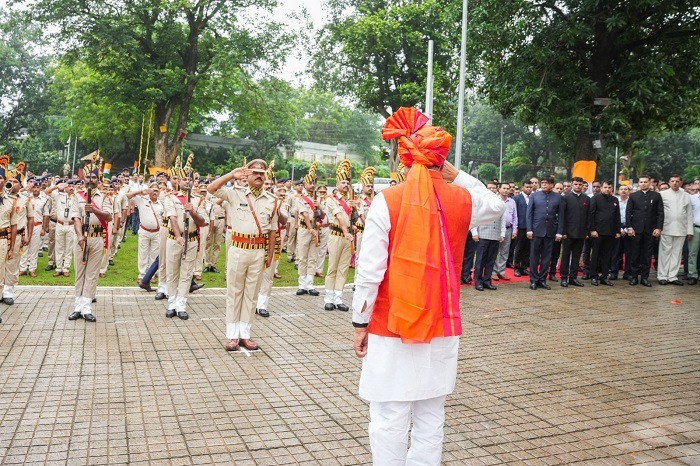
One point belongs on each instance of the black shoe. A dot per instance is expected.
(94, 300)
(612, 277)
(594, 282)
(626, 277)
(692, 281)
(296, 266)
(575, 282)
(50, 267)
(183, 315)
(213, 269)
(605, 282)
(479, 287)
(645, 282)
(468, 281)
(111, 262)
(489, 286)
(329, 307)
(314, 292)
(90, 318)
(586, 276)
(195, 286)
(544, 285)
(509, 265)
(170, 313)
(301, 292)
(564, 283)
(262, 312)
(677, 283)
(518, 273)
(634, 282)
(342, 307)
(160, 296)
(663, 282)
(146, 286)
(290, 260)
(75, 315)
(553, 277)
(8, 301)
(533, 286)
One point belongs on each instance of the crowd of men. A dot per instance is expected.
(563, 229)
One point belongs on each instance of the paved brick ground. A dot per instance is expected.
(589, 376)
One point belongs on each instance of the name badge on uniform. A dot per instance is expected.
(243, 205)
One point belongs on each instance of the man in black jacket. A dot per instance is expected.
(576, 206)
(605, 227)
(521, 255)
(645, 219)
(544, 228)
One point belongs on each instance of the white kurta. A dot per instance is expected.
(392, 370)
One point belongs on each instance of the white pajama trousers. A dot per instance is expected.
(389, 426)
(670, 254)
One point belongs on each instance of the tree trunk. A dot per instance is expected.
(584, 145)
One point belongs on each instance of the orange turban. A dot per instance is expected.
(419, 252)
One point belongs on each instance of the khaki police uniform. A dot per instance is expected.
(31, 252)
(306, 244)
(269, 273)
(51, 235)
(6, 222)
(201, 202)
(180, 259)
(323, 234)
(21, 212)
(150, 218)
(162, 254)
(64, 231)
(364, 202)
(116, 212)
(216, 230)
(338, 249)
(87, 275)
(292, 226)
(251, 218)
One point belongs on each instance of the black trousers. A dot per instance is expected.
(586, 255)
(556, 253)
(622, 250)
(468, 261)
(521, 255)
(600, 257)
(540, 256)
(642, 247)
(570, 257)
(486, 252)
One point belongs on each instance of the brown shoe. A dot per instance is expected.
(277, 275)
(494, 278)
(23, 273)
(57, 274)
(32, 273)
(232, 345)
(503, 276)
(66, 274)
(103, 275)
(319, 275)
(197, 277)
(249, 344)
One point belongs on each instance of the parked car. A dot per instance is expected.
(379, 184)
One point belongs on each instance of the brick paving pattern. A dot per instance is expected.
(589, 376)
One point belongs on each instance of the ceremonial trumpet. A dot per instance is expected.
(8, 187)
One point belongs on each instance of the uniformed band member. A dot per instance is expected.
(93, 240)
(216, 234)
(323, 231)
(184, 221)
(200, 202)
(38, 200)
(62, 198)
(162, 290)
(307, 234)
(21, 212)
(293, 222)
(253, 218)
(262, 308)
(367, 180)
(150, 210)
(339, 208)
(8, 222)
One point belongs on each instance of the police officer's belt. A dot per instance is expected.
(94, 232)
(360, 228)
(4, 233)
(248, 241)
(61, 222)
(190, 236)
(165, 222)
(150, 230)
(336, 231)
(20, 231)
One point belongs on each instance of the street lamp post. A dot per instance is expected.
(500, 162)
(462, 78)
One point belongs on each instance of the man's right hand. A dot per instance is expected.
(630, 232)
(529, 235)
(359, 342)
(449, 172)
(475, 238)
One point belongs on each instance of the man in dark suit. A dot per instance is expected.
(576, 206)
(645, 219)
(544, 226)
(605, 227)
(521, 255)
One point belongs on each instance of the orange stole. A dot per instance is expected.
(454, 200)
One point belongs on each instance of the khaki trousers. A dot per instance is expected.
(65, 242)
(114, 241)
(244, 273)
(266, 286)
(149, 245)
(52, 243)
(108, 254)
(12, 267)
(86, 275)
(31, 252)
(3, 259)
(180, 271)
(338, 264)
(358, 245)
(199, 262)
(162, 268)
(292, 240)
(214, 246)
(306, 258)
(322, 249)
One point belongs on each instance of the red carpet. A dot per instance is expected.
(513, 279)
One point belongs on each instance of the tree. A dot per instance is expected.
(546, 61)
(23, 79)
(161, 53)
(487, 172)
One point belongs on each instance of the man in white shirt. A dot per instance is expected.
(694, 243)
(150, 210)
(678, 226)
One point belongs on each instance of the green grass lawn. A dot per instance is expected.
(125, 272)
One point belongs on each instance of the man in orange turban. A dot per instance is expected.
(406, 305)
